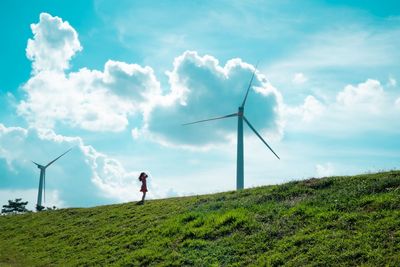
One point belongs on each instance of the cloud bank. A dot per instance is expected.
(199, 87)
(362, 107)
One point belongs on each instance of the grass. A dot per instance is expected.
(335, 221)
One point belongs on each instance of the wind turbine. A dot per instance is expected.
(42, 181)
(241, 118)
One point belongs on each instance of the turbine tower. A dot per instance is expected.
(42, 181)
(241, 118)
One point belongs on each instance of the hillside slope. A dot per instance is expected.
(328, 222)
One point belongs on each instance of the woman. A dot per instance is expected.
(142, 177)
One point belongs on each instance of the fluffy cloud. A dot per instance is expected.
(392, 82)
(299, 78)
(88, 99)
(83, 177)
(368, 95)
(91, 100)
(356, 109)
(324, 170)
(201, 89)
(54, 43)
(311, 108)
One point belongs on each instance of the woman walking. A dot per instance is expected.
(142, 177)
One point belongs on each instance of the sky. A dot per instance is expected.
(115, 81)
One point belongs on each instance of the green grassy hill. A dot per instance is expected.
(337, 221)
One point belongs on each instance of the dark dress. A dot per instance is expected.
(144, 185)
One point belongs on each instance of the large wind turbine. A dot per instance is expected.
(42, 181)
(241, 117)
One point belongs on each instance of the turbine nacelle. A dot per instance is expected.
(241, 112)
(38, 165)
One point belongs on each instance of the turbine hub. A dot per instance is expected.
(241, 111)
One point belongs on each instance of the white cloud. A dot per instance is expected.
(135, 133)
(311, 109)
(356, 109)
(54, 43)
(91, 100)
(88, 99)
(82, 177)
(392, 82)
(201, 89)
(299, 78)
(110, 176)
(368, 96)
(324, 170)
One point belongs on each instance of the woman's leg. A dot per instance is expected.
(144, 195)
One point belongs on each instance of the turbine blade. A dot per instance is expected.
(259, 136)
(248, 89)
(217, 118)
(51, 162)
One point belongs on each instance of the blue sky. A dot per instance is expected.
(115, 80)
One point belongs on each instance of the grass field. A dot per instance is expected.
(335, 221)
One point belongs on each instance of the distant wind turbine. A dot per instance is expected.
(42, 181)
(241, 117)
